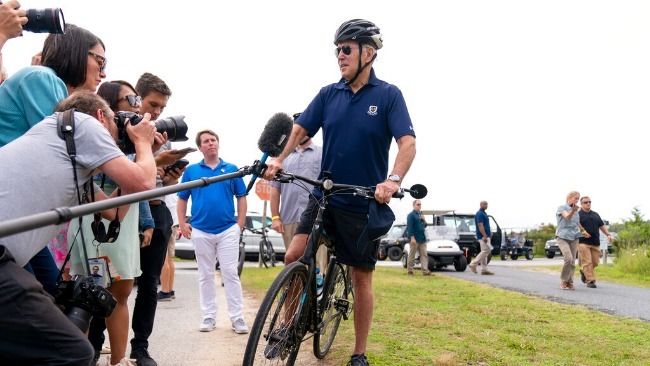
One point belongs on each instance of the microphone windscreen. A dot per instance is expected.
(276, 134)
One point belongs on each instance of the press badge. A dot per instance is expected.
(100, 271)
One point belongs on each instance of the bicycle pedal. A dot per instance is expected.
(343, 306)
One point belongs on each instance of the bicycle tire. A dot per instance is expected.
(271, 251)
(263, 253)
(269, 318)
(242, 258)
(334, 294)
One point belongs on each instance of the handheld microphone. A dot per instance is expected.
(273, 139)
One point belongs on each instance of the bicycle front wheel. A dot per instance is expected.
(277, 332)
(333, 306)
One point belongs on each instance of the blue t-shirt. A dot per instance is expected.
(26, 98)
(213, 207)
(481, 216)
(357, 133)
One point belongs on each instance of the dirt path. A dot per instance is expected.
(176, 340)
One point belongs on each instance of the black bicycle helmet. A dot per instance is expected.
(360, 30)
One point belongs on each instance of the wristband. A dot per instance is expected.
(276, 217)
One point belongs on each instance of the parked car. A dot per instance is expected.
(392, 244)
(185, 248)
(442, 249)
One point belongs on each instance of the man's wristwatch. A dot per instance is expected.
(395, 178)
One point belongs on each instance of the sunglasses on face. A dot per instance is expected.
(347, 50)
(101, 60)
(586, 202)
(133, 100)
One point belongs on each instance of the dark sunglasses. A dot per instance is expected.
(99, 230)
(133, 100)
(102, 64)
(347, 50)
(585, 202)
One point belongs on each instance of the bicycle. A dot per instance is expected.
(267, 253)
(291, 308)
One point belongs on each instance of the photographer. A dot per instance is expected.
(32, 329)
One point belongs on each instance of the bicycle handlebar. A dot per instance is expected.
(417, 191)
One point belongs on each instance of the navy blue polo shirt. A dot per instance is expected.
(357, 133)
(481, 216)
(213, 207)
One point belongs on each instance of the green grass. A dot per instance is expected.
(446, 321)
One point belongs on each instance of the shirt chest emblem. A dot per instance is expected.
(372, 110)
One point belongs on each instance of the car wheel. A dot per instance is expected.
(395, 253)
(504, 255)
(460, 263)
(433, 264)
(530, 255)
(404, 260)
(550, 255)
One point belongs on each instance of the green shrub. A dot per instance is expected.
(634, 260)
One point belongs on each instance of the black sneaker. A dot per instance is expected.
(358, 360)
(583, 278)
(277, 341)
(142, 358)
(591, 285)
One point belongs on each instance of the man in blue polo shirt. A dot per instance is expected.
(359, 116)
(215, 231)
(483, 235)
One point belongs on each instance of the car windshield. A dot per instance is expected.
(434, 232)
(396, 232)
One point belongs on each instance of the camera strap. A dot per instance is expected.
(65, 129)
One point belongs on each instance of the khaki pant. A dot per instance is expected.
(589, 258)
(424, 259)
(482, 257)
(321, 254)
(569, 250)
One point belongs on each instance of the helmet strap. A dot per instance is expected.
(360, 68)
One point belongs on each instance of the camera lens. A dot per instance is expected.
(48, 20)
(175, 127)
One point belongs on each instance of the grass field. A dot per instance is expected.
(445, 321)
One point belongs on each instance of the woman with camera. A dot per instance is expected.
(123, 252)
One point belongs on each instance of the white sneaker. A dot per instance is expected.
(207, 325)
(239, 326)
(123, 362)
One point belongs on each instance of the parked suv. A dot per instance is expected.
(392, 244)
(185, 248)
(551, 249)
(466, 228)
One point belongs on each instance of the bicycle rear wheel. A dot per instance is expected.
(333, 306)
(242, 258)
(277, 332)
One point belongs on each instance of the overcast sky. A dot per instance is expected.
(513, 102)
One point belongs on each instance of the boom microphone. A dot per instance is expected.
(273, 139)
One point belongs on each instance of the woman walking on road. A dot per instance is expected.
(567, 234)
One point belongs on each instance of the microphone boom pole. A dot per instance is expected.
(64, 214)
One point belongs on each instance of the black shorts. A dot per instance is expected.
(347, 231)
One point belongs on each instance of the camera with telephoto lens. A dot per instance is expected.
(48, 20)
(175, 127)
(82, 300)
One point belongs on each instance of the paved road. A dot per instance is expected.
(620, 300)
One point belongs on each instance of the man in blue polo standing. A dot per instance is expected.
(215, 231)
(483, 235)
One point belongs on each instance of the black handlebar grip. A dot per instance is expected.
(398, 194)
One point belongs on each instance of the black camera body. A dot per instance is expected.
(48, 20)
(82, 300)
(175, 127)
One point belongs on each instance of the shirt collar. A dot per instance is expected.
(372, 80)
